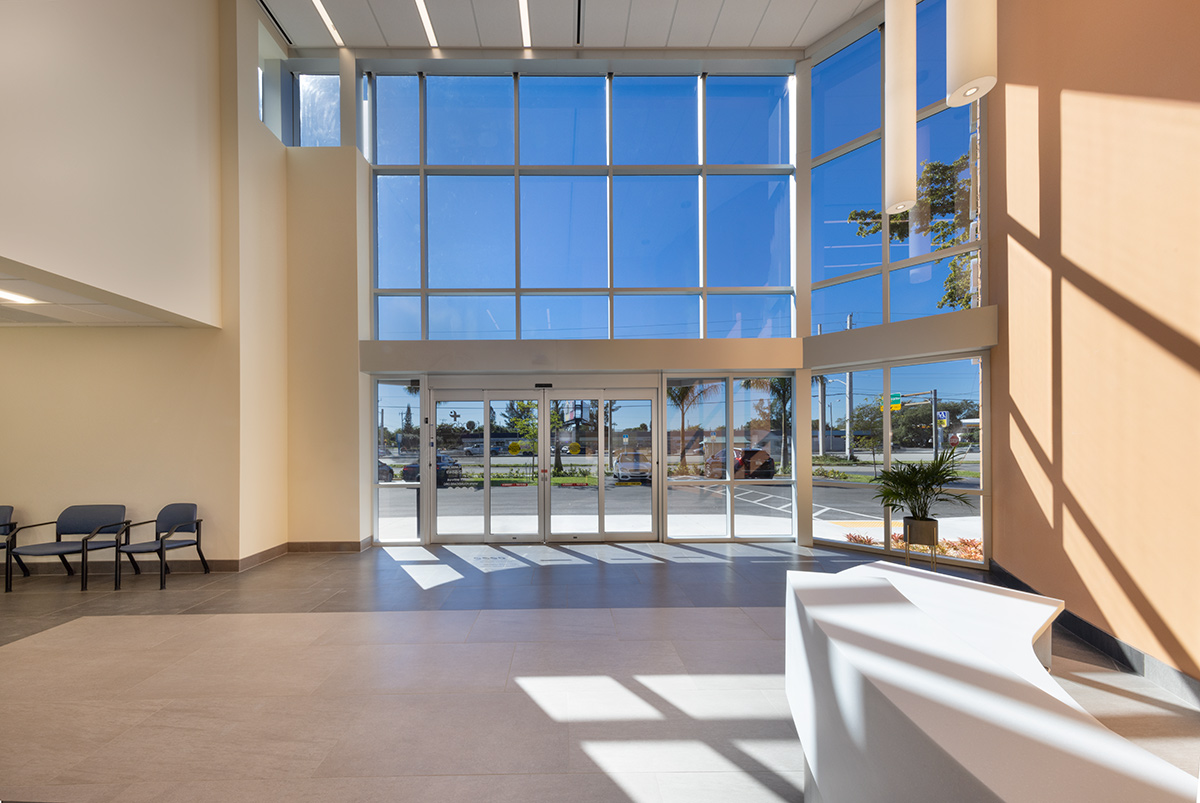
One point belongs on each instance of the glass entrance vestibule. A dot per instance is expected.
(534, 464)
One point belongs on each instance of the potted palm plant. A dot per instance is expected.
(916, 488)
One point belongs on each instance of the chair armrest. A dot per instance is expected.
(136, 524)
(124, 529)
(11, 538)
(170, 532)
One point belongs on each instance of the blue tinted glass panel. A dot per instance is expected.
(852, 305)
(564, 317)
(933, 288)
(397, 120)
(749, 231)
(656, 316)
(656, 230)
(470, 119)
(749, 316)
(846, 95)
(849, 186)
(472, 318)
(398, 317)
(654, 121)
(564, 231)
(472, 240)
(931, 52)
(563, 121)
(398, 247)
(320, 111)
(747, 120)
(942, 217)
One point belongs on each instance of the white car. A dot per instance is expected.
(632, 466)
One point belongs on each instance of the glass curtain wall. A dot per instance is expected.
(869, 420)
(598, 207)
(869, 268)
(729, 457)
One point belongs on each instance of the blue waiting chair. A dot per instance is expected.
(174, 518)
(84, 522)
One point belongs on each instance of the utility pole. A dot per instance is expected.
(935, 424)
(849, 400)
(821, 415)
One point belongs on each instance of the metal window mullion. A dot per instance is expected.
(849, 147)
(608, 133)
(517, 207)
(423, 177)
(886, 219)
(702, 156)
(849, 277)
(937, 256)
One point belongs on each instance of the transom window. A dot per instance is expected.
(527, 207)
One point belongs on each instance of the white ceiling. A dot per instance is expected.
(607, 24)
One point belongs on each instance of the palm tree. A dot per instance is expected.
(685, 397)
(779, 390)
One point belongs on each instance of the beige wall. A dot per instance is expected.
(147, 416)
(109, 147)
(1094, 146)
(326, 189)
(255, 215)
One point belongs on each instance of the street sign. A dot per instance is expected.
(954, 440)
(943, 415)
(896, 402)
(514, 448)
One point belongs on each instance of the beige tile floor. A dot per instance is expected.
(219, 689)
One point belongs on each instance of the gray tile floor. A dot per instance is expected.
(641, 673)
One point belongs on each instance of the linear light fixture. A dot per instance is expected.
(17, 298)
(337, 37)
(970, 50)
(900, 105)
(526, 39)
(424, 12)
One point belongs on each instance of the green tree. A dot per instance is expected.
(943, 212)
(684, 397)
(778, 407)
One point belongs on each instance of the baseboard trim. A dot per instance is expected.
(329, 546)
(1153, 669)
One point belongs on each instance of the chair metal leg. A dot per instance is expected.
(136, 569)
(162, 567)
(117, 566)
(202, 560)
(21, 563)
(8, 556)
(67, 566)
(82, 568)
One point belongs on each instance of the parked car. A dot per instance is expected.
(385, 473)
(753, 464)
(476, 449)
(632, 466)
(447, 470)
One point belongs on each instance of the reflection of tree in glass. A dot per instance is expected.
(943, 212)
(778, 412)
(684, 398)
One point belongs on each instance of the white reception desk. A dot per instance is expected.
(911, 686)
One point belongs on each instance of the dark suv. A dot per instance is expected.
(448, 471)
(753, 464)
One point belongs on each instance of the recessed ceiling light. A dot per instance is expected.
(526, 40)
(17, 298)
(424, 12)
(337, 37)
